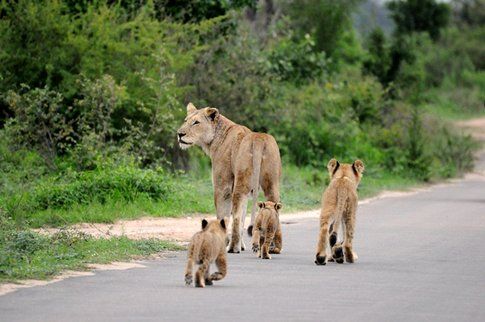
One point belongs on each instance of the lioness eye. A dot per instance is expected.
(195, 122)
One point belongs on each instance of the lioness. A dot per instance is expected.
(339, 204)
(205, 247)
(242, 161)
(267, 228)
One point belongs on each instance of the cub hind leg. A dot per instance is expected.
(349, 223)
(201, 273)
(278, 241)
(221, 264)
(266, 244)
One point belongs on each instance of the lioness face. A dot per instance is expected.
(352, 171)
(198, 127)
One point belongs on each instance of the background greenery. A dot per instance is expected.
(92, 92)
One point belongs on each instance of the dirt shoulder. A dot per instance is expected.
(181, 229)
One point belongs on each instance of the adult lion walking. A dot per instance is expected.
(242, 161)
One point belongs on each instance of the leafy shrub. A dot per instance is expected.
(125, 183)
(40, 122)
(297, 61)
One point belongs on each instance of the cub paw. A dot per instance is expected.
(216, 276)
(338, 254)
(188, 280)
(275, 251)
(255, 248)
(208, 281)
(320, 260)
(233, 250)
(267, 256)
(349, 257)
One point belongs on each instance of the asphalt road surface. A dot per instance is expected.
(421, 258)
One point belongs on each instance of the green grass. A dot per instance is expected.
(28, 255)
(301, 190)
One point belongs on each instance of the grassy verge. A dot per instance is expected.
(301, 190)
(28, 255)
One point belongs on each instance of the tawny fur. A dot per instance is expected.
(339, 205)
(206, 247)
(267, 229)
(242, 162)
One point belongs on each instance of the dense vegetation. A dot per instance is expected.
(92, 92)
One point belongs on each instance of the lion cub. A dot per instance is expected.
(267, 228)
(339, 204)
(205, 247)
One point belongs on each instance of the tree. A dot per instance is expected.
(419, 16)
(379, 60)
(327, 20)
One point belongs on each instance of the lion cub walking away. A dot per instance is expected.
(205, 247)
(267, 229)
(339, 204)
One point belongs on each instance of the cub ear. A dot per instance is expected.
(332, 166)
(204, 223)
(223, 223)
(212, 113)
(278, 206)
(191, 108)
(260, 204)
(358, 166)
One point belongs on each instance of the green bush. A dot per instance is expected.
(297, 61)
(121, 183)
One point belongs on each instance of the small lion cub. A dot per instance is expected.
(205, 247)
(267, 228)
(339, 205)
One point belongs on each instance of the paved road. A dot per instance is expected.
(421, 258)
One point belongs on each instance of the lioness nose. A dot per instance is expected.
(180, 135)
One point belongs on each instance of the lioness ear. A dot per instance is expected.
(223, 223)
(191, 108)
(358, 166)
(212, 113)
(260, 204)
(332, 166)
(204, 223)
(278, 206)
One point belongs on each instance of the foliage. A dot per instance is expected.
(25, 254)
(40, 122)
(88, 125)
(326, 20)
(297, 61)
(419, 16)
